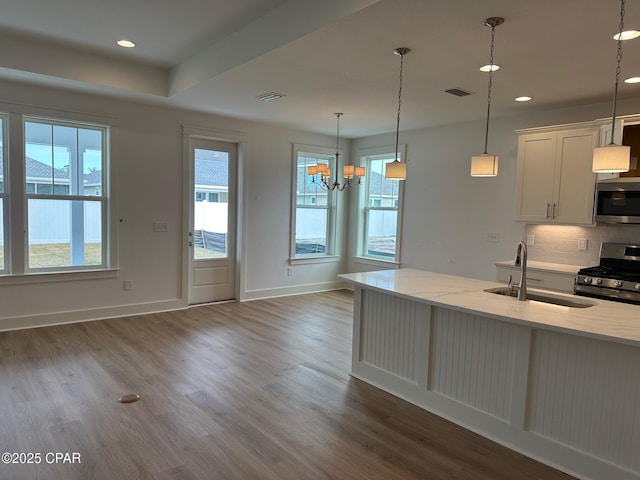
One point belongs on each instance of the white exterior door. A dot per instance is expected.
(212, 221)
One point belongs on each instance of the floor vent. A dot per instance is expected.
(458, 92)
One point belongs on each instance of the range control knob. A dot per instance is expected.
(588, 280)
(637, 287)
(617, 283)
(598, 281)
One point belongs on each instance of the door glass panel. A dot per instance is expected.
(211, 207)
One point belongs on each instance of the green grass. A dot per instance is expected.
(200, 253)
(59, 255)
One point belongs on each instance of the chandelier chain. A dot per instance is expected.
(618, 60)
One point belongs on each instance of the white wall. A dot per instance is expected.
(148, 166)
(447, 213)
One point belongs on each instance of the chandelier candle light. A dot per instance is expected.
(349, 171)
(397, 170)
(485, 165)
(613, 158)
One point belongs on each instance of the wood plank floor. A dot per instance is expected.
(257, 390)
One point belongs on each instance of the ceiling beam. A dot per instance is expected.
(290, 21)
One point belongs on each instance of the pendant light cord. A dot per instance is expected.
(486, 131)
(619, 60)
(399, 105)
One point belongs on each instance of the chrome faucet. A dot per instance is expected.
(521, 261)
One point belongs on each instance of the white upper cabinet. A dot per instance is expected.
(555, 181)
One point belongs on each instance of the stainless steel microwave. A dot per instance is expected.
(618, 200)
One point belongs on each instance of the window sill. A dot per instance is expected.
(311, 260)
(47, 277)
(376, 262)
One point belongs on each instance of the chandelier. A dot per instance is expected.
(349, 171)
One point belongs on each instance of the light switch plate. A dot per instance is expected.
(531, 240)
(160, 227)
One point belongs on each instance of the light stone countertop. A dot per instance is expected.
(613, 321)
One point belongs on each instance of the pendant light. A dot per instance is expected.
(485, 165)
(613, 158)
(349, 171)
(397, 170)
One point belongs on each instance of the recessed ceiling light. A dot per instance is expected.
(490, 68)
(627, 35)
(126, 43)
(524, 98)
(632, 80)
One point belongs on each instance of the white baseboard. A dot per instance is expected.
(75, 316)
(293, 290)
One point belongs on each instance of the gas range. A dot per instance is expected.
(617, 277)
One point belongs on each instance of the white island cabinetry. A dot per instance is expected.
(559, 384)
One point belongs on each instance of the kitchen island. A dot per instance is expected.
(559, 384)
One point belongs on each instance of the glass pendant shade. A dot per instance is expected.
(611, 159)
(484, 165)
(395, 170)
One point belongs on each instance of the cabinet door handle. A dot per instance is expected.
(548, 205)
(554, 210)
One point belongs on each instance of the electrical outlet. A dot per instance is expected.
(531, 240)
(493, 237)
(127, 285)
(582, 244)
(289, 271)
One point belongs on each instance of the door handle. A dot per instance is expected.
(190, 243)
(548, 205)
(554, 211)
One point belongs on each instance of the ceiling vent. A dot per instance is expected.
(270, 96)
(458, 92)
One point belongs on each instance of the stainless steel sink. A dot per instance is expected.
(543, 297)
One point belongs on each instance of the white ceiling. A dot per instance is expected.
(324, 55)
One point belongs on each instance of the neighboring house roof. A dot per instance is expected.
(93, 178)
(211, 172)
(35, 169)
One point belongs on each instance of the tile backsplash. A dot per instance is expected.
(559, 243)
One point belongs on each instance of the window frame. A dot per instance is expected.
(322, 153)
(365, 157)
(102, 199)
(16, 218)
(4, 195)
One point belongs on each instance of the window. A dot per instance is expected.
(3, 194)
(312, 222)
(67, 210)
(380, 200)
